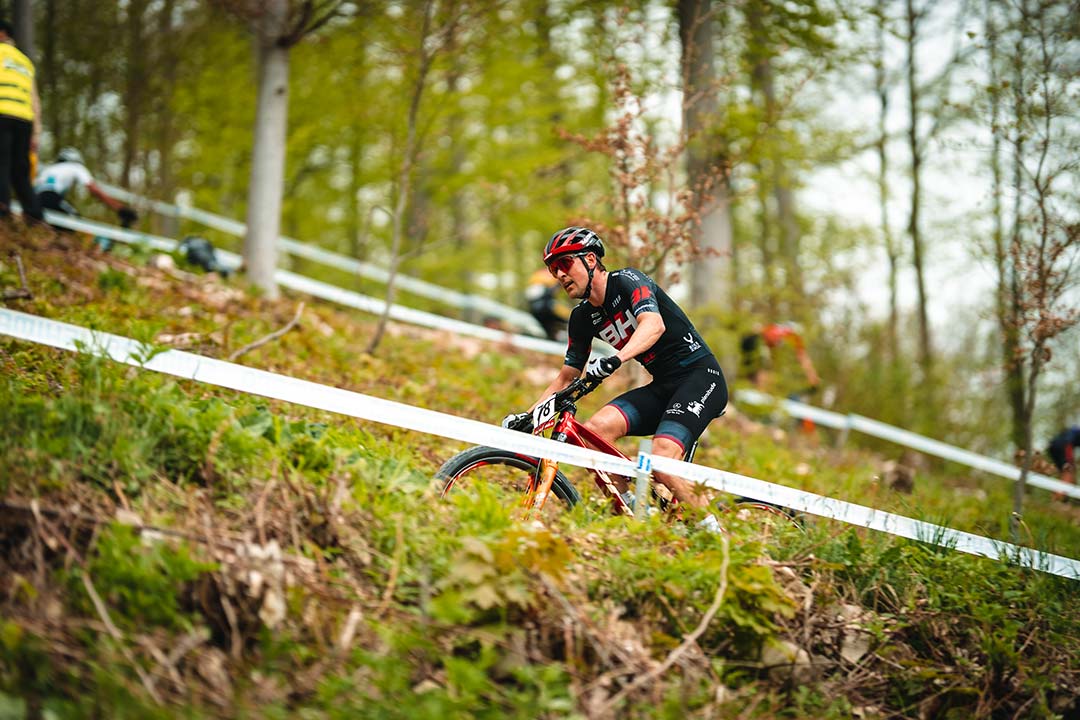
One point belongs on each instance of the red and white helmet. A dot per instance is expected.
(573, 241)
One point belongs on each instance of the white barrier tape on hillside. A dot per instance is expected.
(909, 439)
(422, 288)
(323, 290)
(309, 394)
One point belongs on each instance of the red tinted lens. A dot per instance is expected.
(561, 264)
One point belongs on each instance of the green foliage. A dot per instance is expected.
(140, 580)
(457, 608)
(497, 575)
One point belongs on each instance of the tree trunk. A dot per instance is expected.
(891, 249)
(405, 170)
(925, 352)
(1011, 364)
(135, 86)
(357, 226)
(51, 69)
(1016, 391)
(161, 181)
(268, 150)
(22, 19)
(710, 281)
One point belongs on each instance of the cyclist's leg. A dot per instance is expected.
(632, 413)
(699, 397)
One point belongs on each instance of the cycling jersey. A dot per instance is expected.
(60, 177)
(1062, 447)
(629, 293)
(16, 83)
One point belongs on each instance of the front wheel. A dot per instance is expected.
(480, 468)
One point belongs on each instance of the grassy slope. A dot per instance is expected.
(376, 599)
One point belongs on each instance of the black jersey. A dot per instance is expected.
(629, 293)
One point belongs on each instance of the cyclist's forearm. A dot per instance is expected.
(567, 375)
(649, 329)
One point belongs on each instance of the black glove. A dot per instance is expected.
(518, 421)
(600, 368)
(127, 216)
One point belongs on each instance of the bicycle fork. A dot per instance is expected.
(540, 486)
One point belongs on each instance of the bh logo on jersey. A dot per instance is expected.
(618, 330)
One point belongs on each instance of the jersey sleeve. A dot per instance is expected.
(579, 342)
(641, 289)
(83, 176)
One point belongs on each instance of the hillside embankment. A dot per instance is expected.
(171, 549)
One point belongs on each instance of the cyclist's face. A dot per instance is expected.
(571, 273)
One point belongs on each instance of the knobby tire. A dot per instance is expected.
(518, 470)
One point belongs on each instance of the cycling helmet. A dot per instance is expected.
(573, 241)
(70, 154)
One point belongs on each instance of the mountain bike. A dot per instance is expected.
(536, 479)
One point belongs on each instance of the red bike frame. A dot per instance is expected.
(567, 429)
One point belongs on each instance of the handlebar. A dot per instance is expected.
(575, 391)
(564, 399)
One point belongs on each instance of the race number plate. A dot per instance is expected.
(543, 415)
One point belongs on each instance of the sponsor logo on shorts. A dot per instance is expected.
(708, 392)
(695, 407)
(675, 409)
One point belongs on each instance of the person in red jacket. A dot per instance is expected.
(1062, 451)
(760, 348)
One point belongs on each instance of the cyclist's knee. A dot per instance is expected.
(608, 423)
(666, 447)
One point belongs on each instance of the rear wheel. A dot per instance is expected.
(773, 519)
(486, 468)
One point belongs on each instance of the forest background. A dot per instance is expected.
(898, 177)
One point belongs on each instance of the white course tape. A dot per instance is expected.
(909, 439)
(325, 291)
(309, 394)
(422, 288)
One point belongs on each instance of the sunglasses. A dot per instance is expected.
(561, 264)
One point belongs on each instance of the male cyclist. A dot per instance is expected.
(56, 180)
(629, 311)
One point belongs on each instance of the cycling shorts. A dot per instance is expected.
(1061, 451)
(679, 407)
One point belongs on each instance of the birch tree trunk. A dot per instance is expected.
(916, 147)
(892, 251)
(268, 151)
(710, 280)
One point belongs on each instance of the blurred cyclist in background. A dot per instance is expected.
(1062, 451)
(55, 181)
(762, 358)
(544, 296)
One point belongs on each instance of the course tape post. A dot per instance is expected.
(906, 438)
(309, 394)
(465, 301)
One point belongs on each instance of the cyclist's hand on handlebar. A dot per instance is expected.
(600, 368)
(518, 421)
